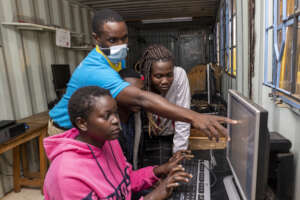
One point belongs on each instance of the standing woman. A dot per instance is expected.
(162, 77)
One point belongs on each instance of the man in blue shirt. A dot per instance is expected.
(100, 68)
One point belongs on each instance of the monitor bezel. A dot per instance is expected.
(257, 111)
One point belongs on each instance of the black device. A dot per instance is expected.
(6, 123)
(281, 167)
(10, 129)
(61, 76)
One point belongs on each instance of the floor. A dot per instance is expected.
(25, 194)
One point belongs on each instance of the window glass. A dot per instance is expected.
(218, 42)
(285, 73)
(234, 60)
(229, 34)
(298, 62)
(270, 54)
(288, 68)
(271, 15)
(279, 39)
(234, 6)
(279, 11)
(290, 5)
(234, 31)
(229, 8)
(228, 61)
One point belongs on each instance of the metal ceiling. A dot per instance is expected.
(134, 10)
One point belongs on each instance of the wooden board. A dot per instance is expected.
(199, 141)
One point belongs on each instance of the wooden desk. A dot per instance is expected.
(37, 129)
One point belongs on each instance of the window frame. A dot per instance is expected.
(226, 43)
(277, 52)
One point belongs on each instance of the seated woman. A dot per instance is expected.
(162, 77)
(87, 161)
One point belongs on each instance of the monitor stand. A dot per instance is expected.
(230, 187)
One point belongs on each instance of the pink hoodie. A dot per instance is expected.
(75, 174)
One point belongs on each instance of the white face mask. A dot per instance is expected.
(116, 53)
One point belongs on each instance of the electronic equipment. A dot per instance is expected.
(10, 129)
(5, 123)
(247, 154)
(248, 149)
(198, 188)
(281, 167)
(61, 75)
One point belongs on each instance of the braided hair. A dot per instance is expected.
(151, 54)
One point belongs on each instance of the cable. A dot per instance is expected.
(213, 161)
(214, 176)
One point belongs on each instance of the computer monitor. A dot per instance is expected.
(61, 75)
(248, 149)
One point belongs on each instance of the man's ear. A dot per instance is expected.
(96, 37)
(81, 123)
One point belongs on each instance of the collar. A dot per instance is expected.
(117, 67)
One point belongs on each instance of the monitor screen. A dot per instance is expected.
(61, 75)
(247, 148)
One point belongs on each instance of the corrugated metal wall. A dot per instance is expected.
(190, 47)
(26, 56)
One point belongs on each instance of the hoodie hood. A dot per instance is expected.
(57, 144)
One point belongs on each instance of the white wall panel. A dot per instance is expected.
(69, 25)
(32, 55)
(78, 28)
(26, 84)
(5, 96)
(56, 19)
(46, 47)
(85, 24)
(280, 119)
(16, 68)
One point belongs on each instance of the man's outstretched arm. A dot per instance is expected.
(210, 124)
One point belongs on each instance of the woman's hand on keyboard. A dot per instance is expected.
(164, 169)
(166, 186)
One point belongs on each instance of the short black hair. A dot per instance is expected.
(104, 16)
(82, 102)
(129, 73)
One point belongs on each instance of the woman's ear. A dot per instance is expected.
(81, 124)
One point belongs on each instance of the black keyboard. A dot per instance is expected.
(195, 188)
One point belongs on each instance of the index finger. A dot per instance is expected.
(227, 120)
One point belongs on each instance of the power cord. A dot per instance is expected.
(213, 161)
(214, 176)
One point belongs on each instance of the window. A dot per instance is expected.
(227, 34)
(282, 49)
(217, 32)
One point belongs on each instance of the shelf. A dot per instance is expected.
(82, 48)
(29, 26)
(37, 27)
